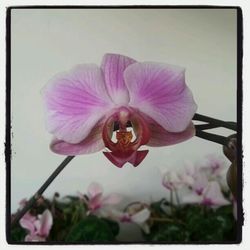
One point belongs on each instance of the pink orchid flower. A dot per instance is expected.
(84, 105)
(95, 199)
(210, 196)
(37, 226)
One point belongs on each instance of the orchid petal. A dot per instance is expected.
(159, 90)
(75, 102)
(46, 221)
(94, 189)
(119, 158)
(161, 137)
(112, 199)
(91, 144)
(141, 216)
(113, 66)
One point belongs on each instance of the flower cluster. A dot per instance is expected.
(38, 227)
(198, 199)
(204, 182)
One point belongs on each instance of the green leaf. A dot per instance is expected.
(17, 234)
(168, 232)
(91, 229)
(114, 226)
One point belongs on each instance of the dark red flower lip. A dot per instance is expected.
(125, 149)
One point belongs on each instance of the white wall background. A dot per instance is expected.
(45, 42)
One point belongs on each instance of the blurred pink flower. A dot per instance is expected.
(37, 226)
(84, 105)
(214, 166)
(200, 183)
(210, 196)
(95, 199)
(138, 217)
(171, 180)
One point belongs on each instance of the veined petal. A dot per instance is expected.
(161, 137)
(159, 90)
(113, 66)
(91, 144)
(75, 102)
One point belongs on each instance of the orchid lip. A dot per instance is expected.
(125, 149)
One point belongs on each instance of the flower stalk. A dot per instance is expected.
(40, 191)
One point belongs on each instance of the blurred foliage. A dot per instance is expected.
(191, 223)
(168, 223)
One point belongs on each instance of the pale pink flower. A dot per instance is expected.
(84, 105)
(37, 226)
(214, 166)
(200, 182)
(138, 217)
(95, 199)
(171, 180)
(210, 196)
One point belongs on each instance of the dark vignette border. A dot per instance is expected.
(8, 131)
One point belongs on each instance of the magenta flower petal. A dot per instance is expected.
(161, 137)
(91, 144)
(46, 221)
(94, 189)
(159, 90)
(75, 102)
(113, 66)
(27, 222)
(95, 202)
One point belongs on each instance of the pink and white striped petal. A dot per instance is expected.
(161, 137)
(159, 90)
(113, 66)
(91, 144)
(75, 102)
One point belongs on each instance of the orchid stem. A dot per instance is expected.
(210, 124)
(212, 137)
(216, 122)
(40, 191)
